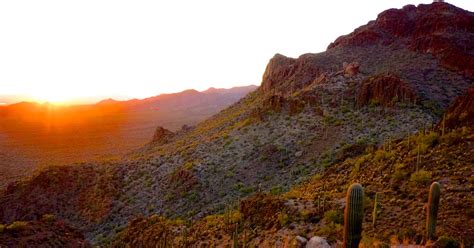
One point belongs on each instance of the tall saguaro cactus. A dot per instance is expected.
(353, 216)
(432, 210)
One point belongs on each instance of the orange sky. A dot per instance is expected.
(62, 50)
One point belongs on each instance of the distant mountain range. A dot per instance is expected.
(42, 133)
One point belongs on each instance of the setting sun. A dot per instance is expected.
(56, 97)
(112, 48)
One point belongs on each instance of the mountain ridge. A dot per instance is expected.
(39, 134)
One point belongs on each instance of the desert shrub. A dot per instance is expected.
(277, 190)
(305, 214)
(246, 190)
(399, 172)
(421, 148)
(283, 219)
(425, 141)
(331, 231)
(261, 209)
(327, 159)
(452, 138)
(361, 160)
(433, 106)
(188, 165)
(381, 155)
(212, 220)
(334, 216)
(294, 194)
(420, 177)
(371, 242)
(17, 226)
(48, 217)
(430, 139)
(352, 150)
(447, 242)
(406, 234)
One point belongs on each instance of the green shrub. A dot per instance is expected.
(333, 216)
(331, 231)
(283, 219)
(420, 177)
(447, 242)
(399, 173)
(276, 190)
(430, 139)
(383, 155)
(246, 190)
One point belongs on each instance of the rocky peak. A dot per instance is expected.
(285, 75)
(441, 29)
(279, 68)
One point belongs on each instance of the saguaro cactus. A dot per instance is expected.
(353, 216)
(376, 210)
(432, 211)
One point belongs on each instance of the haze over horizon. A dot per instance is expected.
(58, 51)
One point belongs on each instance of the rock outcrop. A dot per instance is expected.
(441, 29)
(384, 89)
(162, 136)
(41, 233)
(461, 112)
(284, 75)
(351, 69)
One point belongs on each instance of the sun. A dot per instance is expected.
(55, 97)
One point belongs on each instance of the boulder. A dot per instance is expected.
(317, 242)
(301, 241)
(162, 136)
(351, 69)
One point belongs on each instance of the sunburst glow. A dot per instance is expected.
(141, 49)
(55, 96)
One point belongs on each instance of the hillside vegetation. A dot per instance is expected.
(395, 172)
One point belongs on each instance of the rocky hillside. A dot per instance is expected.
(395, 172)
(45, 232)
(316, 120)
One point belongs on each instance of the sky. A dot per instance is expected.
(63, 50)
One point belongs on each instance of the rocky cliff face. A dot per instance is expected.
(461, 112)
(421, 45)
(386, 90)
(286, 75)
(440, 29)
